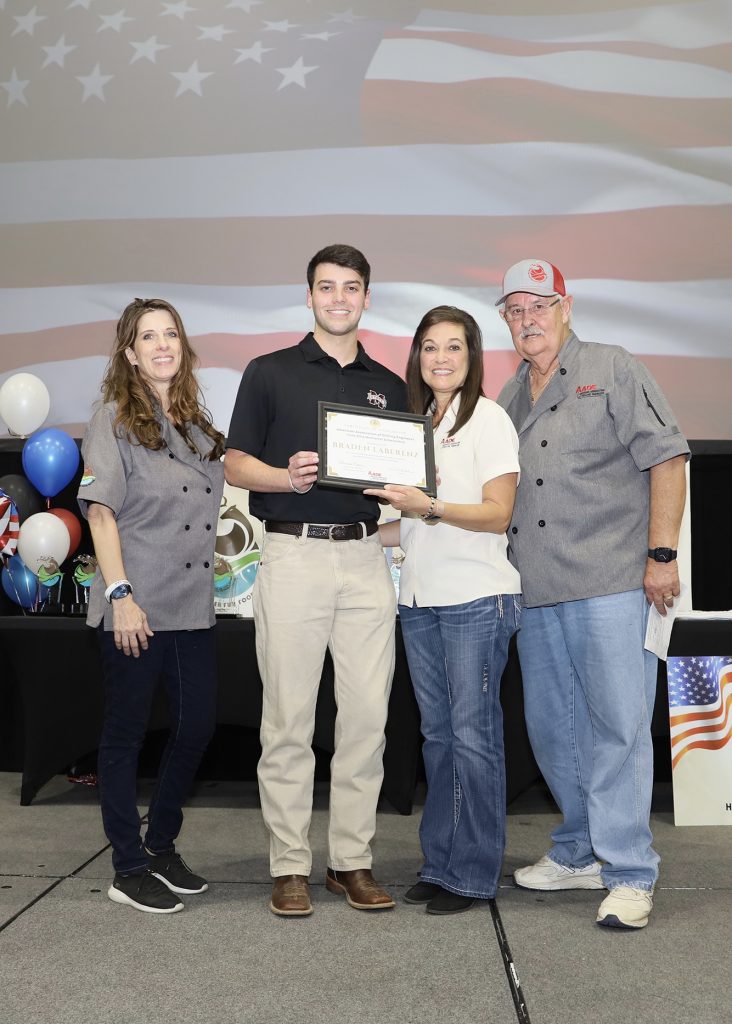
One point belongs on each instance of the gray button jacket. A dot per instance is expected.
(580, 524)
(166, 504)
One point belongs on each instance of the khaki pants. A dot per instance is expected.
(313, 594)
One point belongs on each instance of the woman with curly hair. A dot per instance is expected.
(151, 492)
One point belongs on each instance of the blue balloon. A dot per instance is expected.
(50, 459)
(19, 583)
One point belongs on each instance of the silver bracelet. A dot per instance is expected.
(295, 488)
(430, 515)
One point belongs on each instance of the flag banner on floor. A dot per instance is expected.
(202, 152)
(700, 714)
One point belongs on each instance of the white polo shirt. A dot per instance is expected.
(446, 565)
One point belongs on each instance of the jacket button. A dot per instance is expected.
(187, 526)
(553, 408)
(188, 565)
(208, 490)
(562, 371)
(185, 488)
(514, 529)
(206, 565)
(539, 482)
(208, 526)
(170, 455)
(542, 523)
(543, 444)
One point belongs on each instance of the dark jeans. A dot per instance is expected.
(185, 662)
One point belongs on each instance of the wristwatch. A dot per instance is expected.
(121, 591)
(662, 554)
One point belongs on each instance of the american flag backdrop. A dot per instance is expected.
(700, 704)
(202, 151)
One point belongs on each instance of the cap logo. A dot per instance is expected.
(537, 272)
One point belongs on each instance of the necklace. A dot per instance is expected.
(534, 391)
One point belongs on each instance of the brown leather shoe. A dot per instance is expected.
(359, 887)
(291, 896)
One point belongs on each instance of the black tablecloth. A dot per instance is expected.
(51, 700)
(51, 682)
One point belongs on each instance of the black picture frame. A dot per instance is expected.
(371, 413)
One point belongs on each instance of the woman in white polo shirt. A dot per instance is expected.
(459, 607)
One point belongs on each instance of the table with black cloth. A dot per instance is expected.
(52, 693)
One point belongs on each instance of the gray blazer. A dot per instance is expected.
(580, 523)
(166, 504)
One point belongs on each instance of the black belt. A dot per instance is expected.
(324, 531)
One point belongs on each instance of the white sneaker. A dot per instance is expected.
(548, 876)
(625, 907)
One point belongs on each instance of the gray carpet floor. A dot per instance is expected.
(70, 956)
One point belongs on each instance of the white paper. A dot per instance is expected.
(658, 630)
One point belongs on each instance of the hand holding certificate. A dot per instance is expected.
(362, 447)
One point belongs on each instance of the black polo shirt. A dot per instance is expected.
(276, 415)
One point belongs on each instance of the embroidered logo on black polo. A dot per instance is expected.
(589, 391)
(374, 398)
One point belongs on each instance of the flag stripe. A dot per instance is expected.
(684, 25)
(575, 179)
(428, 60)
(406, 113)
(697, 389)
(620, 311)
(666, 244)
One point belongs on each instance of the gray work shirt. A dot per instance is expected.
(166, 504)
(580, 523)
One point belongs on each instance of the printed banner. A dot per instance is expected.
(700, 714)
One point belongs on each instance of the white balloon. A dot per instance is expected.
(24, 403)
(42, 540)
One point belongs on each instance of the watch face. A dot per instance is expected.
(663, 554)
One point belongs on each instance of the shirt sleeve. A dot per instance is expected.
(497, 444)
(251, 416)
(104, 479)
(644, 422)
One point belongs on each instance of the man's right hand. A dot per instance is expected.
(303, 470)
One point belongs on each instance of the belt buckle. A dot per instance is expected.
(331, 528)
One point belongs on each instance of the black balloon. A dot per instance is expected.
(21, 491)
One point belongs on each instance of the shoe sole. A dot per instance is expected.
(177, 889)
(417, 903)
(290, 913)
(340, 890)
(613, 921)
(444, 913)
(580, 883)
(116, 896)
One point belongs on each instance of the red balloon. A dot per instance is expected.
(72, 524)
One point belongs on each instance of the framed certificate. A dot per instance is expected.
(360, 446)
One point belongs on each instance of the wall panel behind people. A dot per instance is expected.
(202, 153)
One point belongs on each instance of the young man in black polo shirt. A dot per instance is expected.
(317, 588)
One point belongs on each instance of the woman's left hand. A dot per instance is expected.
(403, 499)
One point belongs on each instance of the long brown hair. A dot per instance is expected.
(137, 403)
(419, 395)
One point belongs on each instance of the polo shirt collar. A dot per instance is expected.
(312, 352)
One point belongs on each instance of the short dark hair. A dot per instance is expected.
(341, 256)
(419, 395)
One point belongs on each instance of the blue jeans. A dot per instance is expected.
(589, 689)
(185, 662)
(456, 656)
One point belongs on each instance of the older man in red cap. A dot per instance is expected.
(594, 533)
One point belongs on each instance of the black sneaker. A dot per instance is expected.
(422, 892)
(144, 892)
(173, 871)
